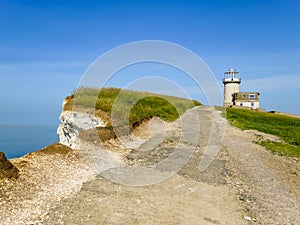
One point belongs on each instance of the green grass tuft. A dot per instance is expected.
(282, 149)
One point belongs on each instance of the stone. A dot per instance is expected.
(248, 218)
(7, 169)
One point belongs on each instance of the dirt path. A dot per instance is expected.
(175, 201)
(268, 184)
(245, 184)
(189, 197)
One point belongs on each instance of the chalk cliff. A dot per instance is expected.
(71, 133)
(74, 122)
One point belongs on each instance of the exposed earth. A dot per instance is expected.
(244, 184)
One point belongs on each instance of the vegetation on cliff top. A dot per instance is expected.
(142, 105)
(285, 127)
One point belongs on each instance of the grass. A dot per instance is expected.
(141, 105)
(285, 127)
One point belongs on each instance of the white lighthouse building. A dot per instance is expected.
(231, 83)
(232, 94)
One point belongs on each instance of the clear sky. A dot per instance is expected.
(45, 46)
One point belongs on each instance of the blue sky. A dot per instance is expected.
(45, 46)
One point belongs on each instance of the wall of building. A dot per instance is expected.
(253, 104)
(229, 89)
(246, 96)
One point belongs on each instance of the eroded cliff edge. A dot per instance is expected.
(73, 122)
(85, 129)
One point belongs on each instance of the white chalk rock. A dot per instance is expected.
(74, 122)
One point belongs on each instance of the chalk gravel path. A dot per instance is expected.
(243, 185)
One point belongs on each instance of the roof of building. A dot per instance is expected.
(245, 93)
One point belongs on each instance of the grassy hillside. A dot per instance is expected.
(285, 127)
(168, 108)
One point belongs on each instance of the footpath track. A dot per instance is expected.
(242, 185)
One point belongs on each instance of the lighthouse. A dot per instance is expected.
(231, 83)
(232, 95)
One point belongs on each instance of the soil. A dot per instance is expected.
(244, 184)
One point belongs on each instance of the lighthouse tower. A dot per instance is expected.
(231, 83)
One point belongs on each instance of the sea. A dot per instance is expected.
(18, 140)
